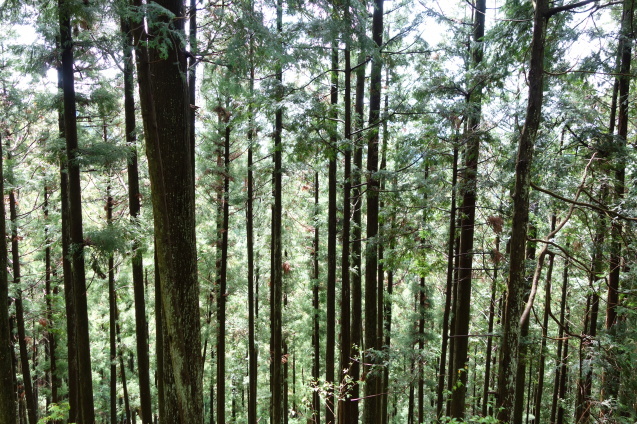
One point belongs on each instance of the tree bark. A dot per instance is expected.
(612, 378)
(316, 334)
(330, 333)
(166, 113)
(112, 315)
(222, 236)
(370, 411)
(85, 392)
(8, 401)
(509, 350)
(357, 200)
(467, 223)
(442, 370)
(345, 403)
(134, 205)
(276, 279)
(252, 351)
(22, 342)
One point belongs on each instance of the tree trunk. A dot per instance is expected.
(112, 314)
(7, 393)
(611, 378)
(134, 205)
(316, 337)
(515, 288)
(85, 393)
(252, 351)
(222, 235)
(545, 323)
(467, 222)
(357, 200)
(276, 279)
(330, 333)
(440, 394)
(165, 111)
(50, 336)
(345, 403)
(486, 410)
(370, 411)
(22, 342)
(72, 381)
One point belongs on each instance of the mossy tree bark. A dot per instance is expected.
(166, 114)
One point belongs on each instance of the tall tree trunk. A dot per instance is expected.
(345, 403)
(330, 333)
(523, 359)
(7, 392)
(611, 379)
(72, 380)
(370, 411)
(316, 337)
(50, 336)
(384, 305)
(357, 200)
(127, 409)
(85, 392)
(442, 370)
(515, 288)
(27, 382)
(112, 314)
(487, 363)
(467, 222)
(276, 279)
(222, 234)
(452, 323)
(252, 351)
(545, 322)
(134, 205)
(165, 111)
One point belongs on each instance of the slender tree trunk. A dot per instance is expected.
(222, 234)
(584, 401)
(276, 279)
(560, 343)
(523, 359)
(134, 205)
(316, 338)
(545, 322)
(120, 355)
(384, 305)
(7, 393)
(467, 212)
(112, 314)
(487, 363)
(22, 342)
(252, 351)
(50, 337)
(440, 394)
(357, 198)
(165, 111)
(612, 376)
(72, 381)
(345, 403)
(85, 392)
(452, 324)
(509, 350)
(330, 333)
(372, 374)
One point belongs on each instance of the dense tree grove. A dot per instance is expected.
(387, 211)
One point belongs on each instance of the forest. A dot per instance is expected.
(313, 211)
